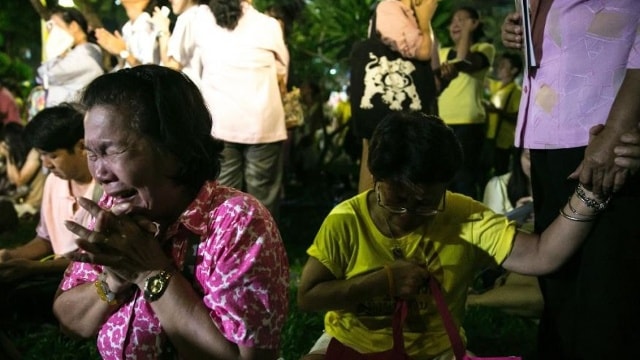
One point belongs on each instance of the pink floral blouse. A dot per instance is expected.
(241, 270)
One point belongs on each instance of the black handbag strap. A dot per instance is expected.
(373, 31)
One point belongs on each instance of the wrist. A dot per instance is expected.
(582, 206)
(115, 284)
(156, 284)
(591, 200)
(104, 291)
(165, 265)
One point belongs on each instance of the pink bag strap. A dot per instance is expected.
(452, 330)
(399, 316)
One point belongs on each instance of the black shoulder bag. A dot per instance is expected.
(382, 81)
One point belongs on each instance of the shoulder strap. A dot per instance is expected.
(189, 267)
(506, 105)
(399, 317)
(373, 31)
(452, 330)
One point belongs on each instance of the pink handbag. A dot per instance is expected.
(456, 342)
(338, 351)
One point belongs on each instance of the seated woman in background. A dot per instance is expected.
(384, 245)
(512, 190)
(23, 170)
(193, 269)
(510, 194)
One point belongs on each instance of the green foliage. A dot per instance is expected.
(16, 75)
(19, 26)
(301, 330)
(25, 231)
(46, 342)
(323, 36)
(19, 29)
(491, 332)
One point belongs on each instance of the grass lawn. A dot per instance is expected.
(490, 332)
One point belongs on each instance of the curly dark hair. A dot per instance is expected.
(414, 148)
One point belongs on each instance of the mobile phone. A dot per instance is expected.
(165, 11)
(520, 214)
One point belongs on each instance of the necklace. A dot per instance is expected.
(395, 250)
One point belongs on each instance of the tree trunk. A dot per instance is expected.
(40, 9)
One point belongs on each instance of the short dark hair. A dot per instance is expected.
(410, 148)
(54, 128)
(166, 107)
(514, 58)
(13, 135)
(70, 15)
(226, 12)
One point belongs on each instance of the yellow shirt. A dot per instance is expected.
(464, 238)
(506, 98)
(461, 102)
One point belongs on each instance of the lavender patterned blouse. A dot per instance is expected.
(241, 270)
(588, 46)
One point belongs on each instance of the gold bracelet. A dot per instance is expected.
(575, 212)
(102, 288)
(392, 283)
(573, 218)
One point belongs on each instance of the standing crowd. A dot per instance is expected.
(154, 162)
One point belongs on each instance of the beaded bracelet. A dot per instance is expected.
(592, 203)
(392, 283)
(573, 218)
(102, 288)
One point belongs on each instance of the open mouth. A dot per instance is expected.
(124, 196)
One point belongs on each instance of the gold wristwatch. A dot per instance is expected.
(155, 285)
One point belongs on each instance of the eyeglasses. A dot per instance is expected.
(420, 209)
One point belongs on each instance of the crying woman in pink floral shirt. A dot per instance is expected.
(175, 265)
